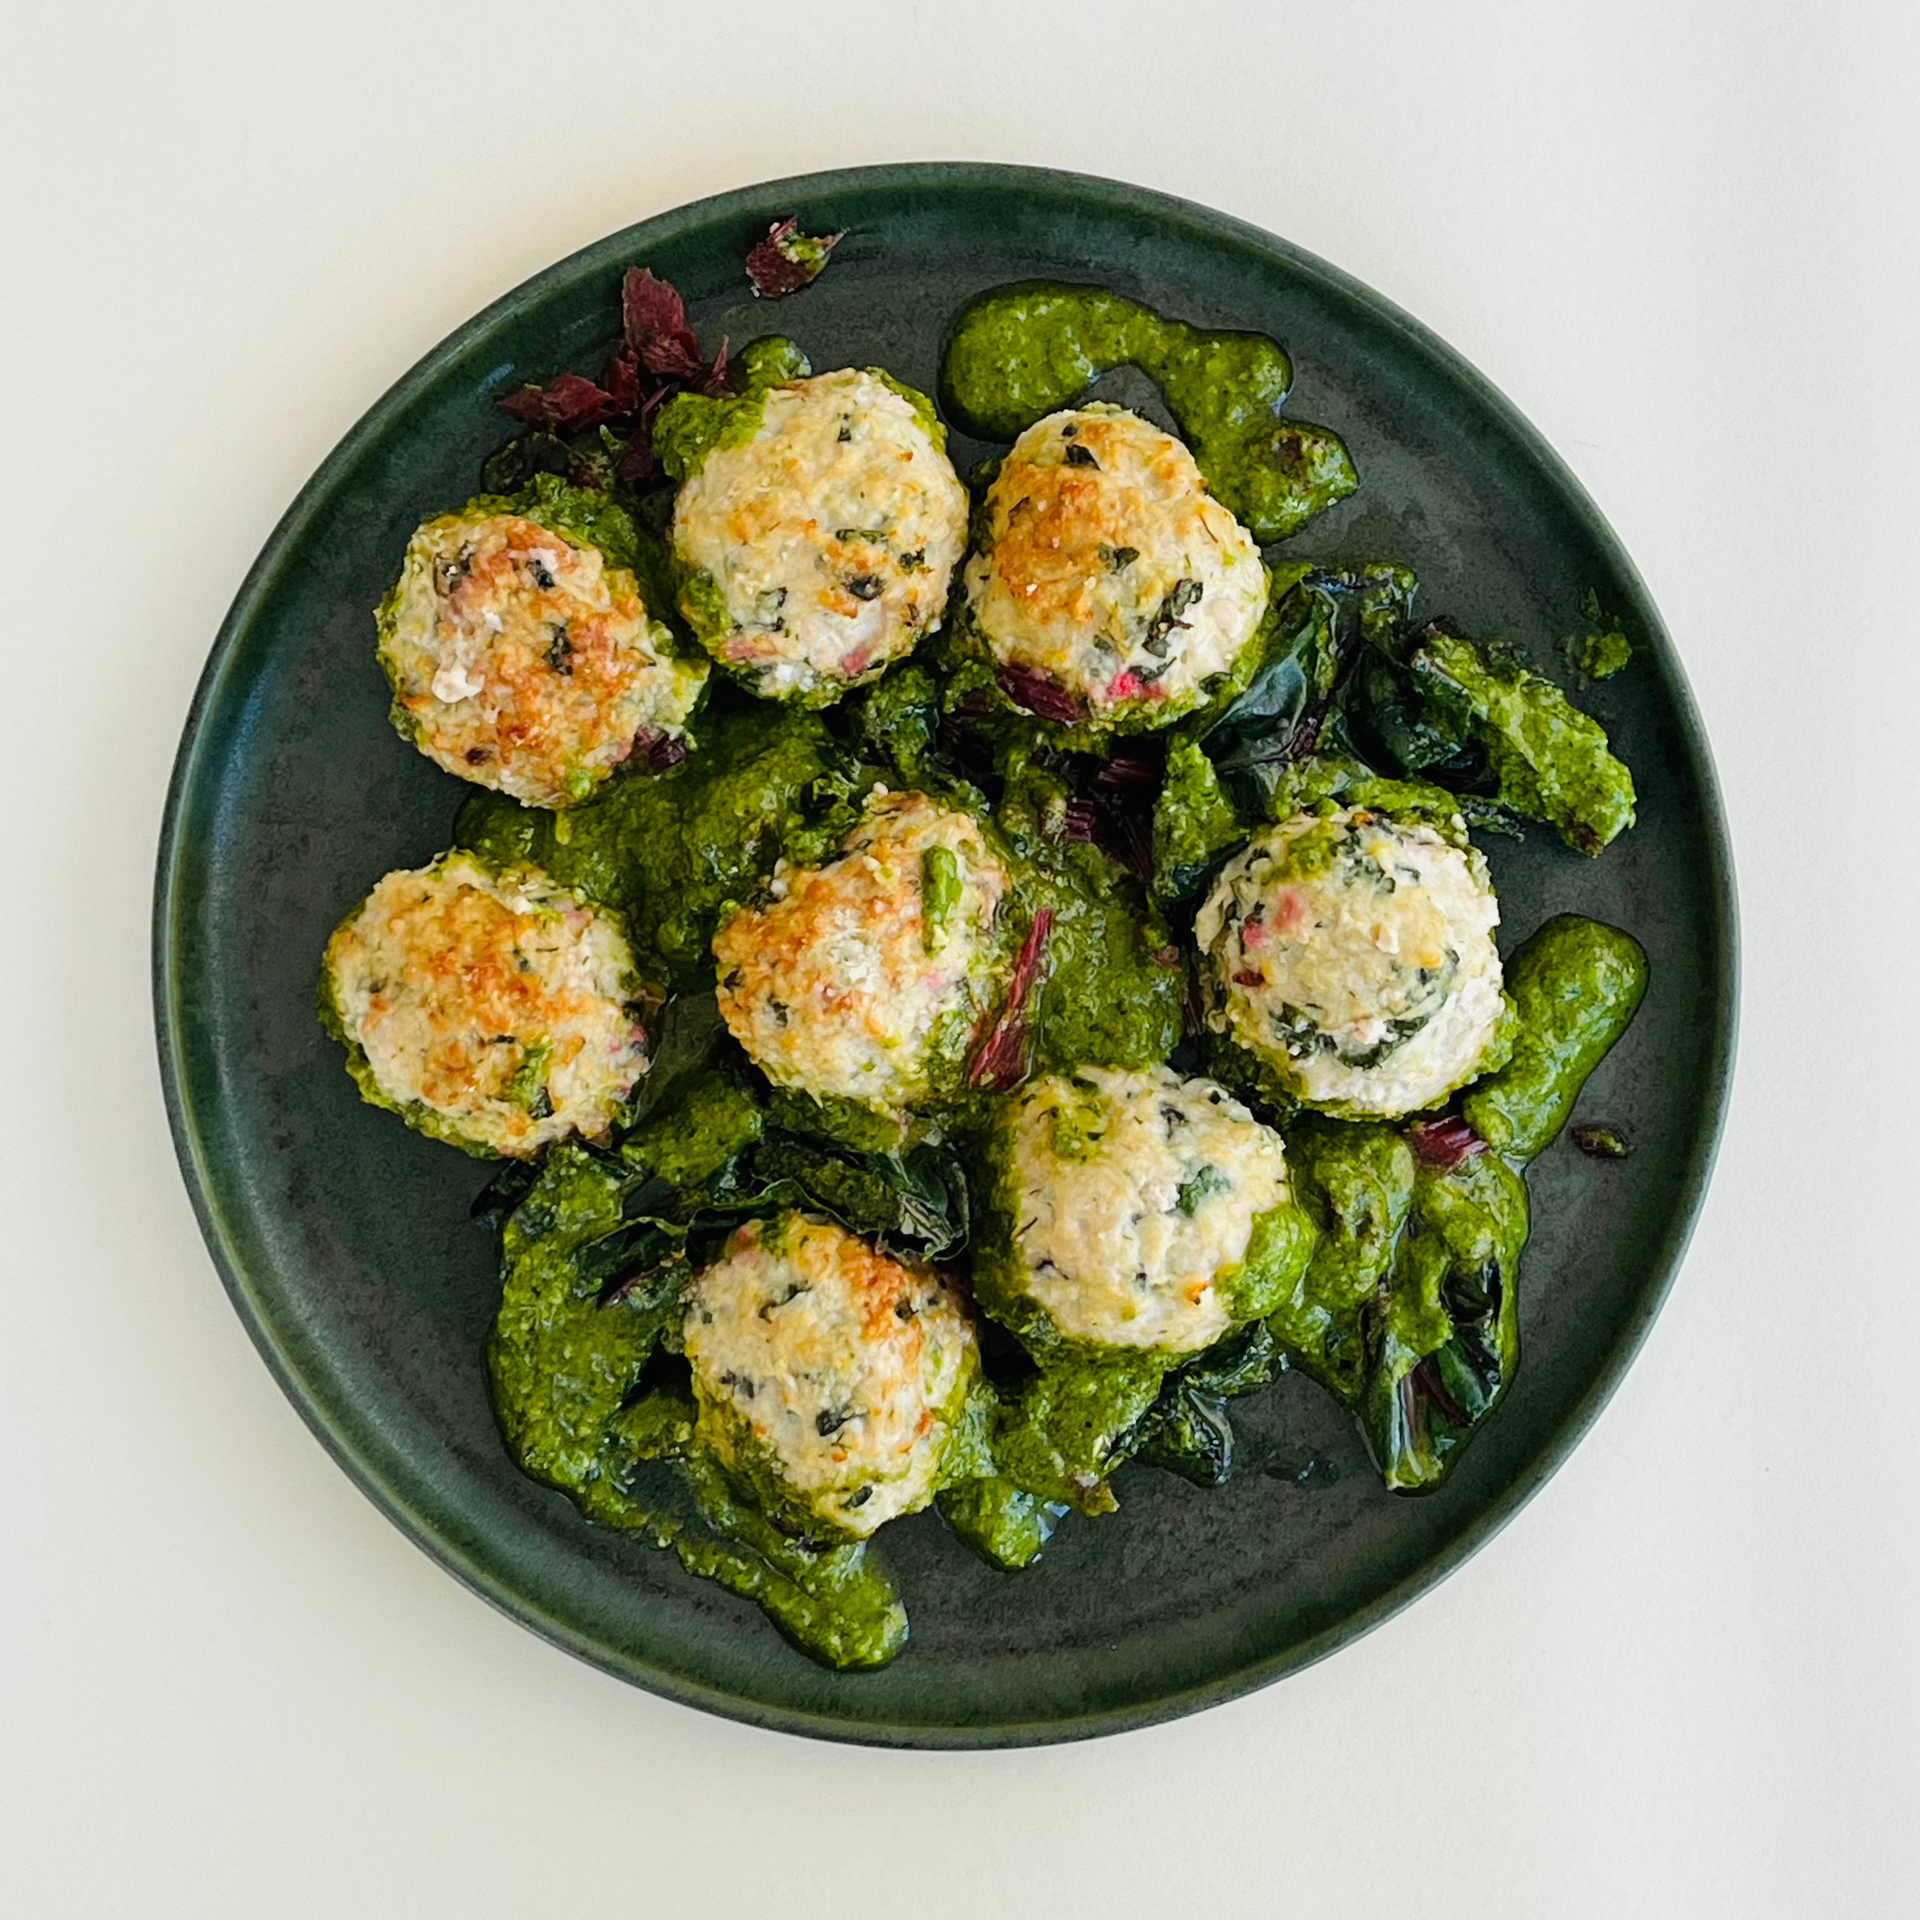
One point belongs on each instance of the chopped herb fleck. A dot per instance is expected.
(940, 894)
(1603, 1143)
(1186, 595)
(1194, 1193)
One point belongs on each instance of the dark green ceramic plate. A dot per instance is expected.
(344, 1239)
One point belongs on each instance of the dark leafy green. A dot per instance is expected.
(1187, 1430)
(917, 1199)
(1444, 1340)
(1550, 761)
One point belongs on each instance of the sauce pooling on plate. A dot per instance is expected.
(1021, 352)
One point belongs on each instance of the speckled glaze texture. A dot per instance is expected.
(345, 1240)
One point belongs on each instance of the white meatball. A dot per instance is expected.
(1107, 569)
(1131, 1200)
(868, 977)
(831, 1380)
(493, 1011)
(821, 550)
(520, 659)
(1354, 956)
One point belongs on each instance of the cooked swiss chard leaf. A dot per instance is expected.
(787, 259)
(1321, 618)
(688, 1036)
(916, 1200)
(1549, 761)
(1444, 1340)
(1187, 1430)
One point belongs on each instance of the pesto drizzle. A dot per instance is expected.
(1021, 352)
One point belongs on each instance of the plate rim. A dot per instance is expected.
(429, 1533)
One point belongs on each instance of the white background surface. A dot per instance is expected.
(1684, 1681)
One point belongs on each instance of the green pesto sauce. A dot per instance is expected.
(1601, 655)
(1111, 998)
(691, 425)
(1021, 352)
(1114, 994)
(1193, 822)
(1065, 1431)
(669, 851)
(1576, 984)
(1002, 1521)
(840, 1605)
(1551, 760)
(1279, 1250)
(592, 1286)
